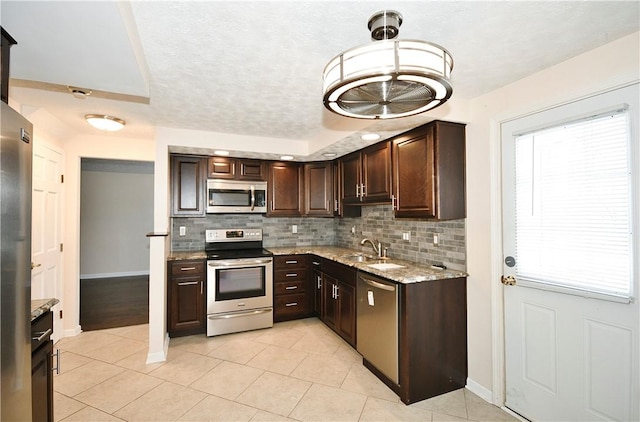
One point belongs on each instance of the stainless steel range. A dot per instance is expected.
(239, 281)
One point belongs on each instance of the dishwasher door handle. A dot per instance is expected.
(379, 285)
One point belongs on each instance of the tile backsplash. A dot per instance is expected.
(377, 222)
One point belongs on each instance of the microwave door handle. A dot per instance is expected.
(253, 197)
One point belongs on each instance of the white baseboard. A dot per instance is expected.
(111, 275)
(480, 391)
(159, 356)
(72, 332)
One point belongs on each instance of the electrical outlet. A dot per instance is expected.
(294, 229)
(353, 229)
(436, 239)
(406, 236)
(183, 230)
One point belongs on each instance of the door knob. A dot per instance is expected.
(508, 280)
(35, 265)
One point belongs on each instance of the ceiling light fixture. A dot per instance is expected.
(79, 93)
(221, 152)
(387, 78)
(370, 137)
(104, 122)
(286, 157)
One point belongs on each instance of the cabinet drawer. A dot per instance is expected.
(289, 261)
(289, 275)
(291, 304)
(41, 330)
(285, 288)
(185, 268)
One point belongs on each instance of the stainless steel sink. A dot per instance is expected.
(359, 257)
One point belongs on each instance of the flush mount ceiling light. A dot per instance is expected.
(370, 137)
(221, 152)
(104, 122)
(387, 78)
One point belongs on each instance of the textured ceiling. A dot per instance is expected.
(254, 68)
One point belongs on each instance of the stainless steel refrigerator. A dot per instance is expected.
(15, 294)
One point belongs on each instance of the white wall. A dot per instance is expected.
(613, 65)
(98, 146)
(116, 213)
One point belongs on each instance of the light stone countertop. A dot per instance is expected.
(40, 306)
(411, 272)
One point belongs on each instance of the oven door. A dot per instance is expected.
(239, 284)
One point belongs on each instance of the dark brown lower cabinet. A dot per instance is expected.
(339, 299)
(291, 292)
(432, 339)
(186, 298)
(41, 368)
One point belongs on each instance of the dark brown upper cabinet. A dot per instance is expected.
(318, 189)
(188, 179)
(235, 169)
(366, 175)
(285, 189)
(429, 172)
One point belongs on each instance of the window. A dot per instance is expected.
(573, 205)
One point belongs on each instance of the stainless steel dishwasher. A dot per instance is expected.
(377, 323)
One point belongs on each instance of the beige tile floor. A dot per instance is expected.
(298, 370)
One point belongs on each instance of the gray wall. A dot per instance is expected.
(116, 213)
(376, 222)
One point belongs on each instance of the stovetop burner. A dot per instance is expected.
(234, 244)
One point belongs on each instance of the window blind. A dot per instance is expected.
(573, 205)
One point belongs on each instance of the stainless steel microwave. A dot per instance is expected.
(231, 196)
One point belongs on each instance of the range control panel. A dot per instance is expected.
(232, 235)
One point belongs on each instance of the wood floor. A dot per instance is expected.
(114, 302)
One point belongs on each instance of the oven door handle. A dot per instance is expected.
(240, 314)
(239, 262)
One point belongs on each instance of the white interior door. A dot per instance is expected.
(571, 353)
(46, 275)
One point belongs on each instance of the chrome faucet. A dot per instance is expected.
(377, 246)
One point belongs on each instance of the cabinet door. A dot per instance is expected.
(42, 383)
(330, 304)
(250, 170)
(347, 312)
(187, 304)
(414, 175)
(350, 169)
(221, 168)
(376, 173)
(318, 179)
(316, 285)
(285, 186)
(188, 175)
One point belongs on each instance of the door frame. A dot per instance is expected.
(498, 389)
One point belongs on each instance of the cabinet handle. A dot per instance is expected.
(292, 275)
(357, 190)
(57, 367)
(291, 304)
(315, 263)
(291, 287)
(272, 205)
(319, 282)
(201, 287)
(393, 202)
(188, 283)
(187, 268)
(291, 262)
(337, 292)
(336, 205)
(363, 191)
(42, 335)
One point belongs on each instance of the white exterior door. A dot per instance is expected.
(46, 275)
(570, 354)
